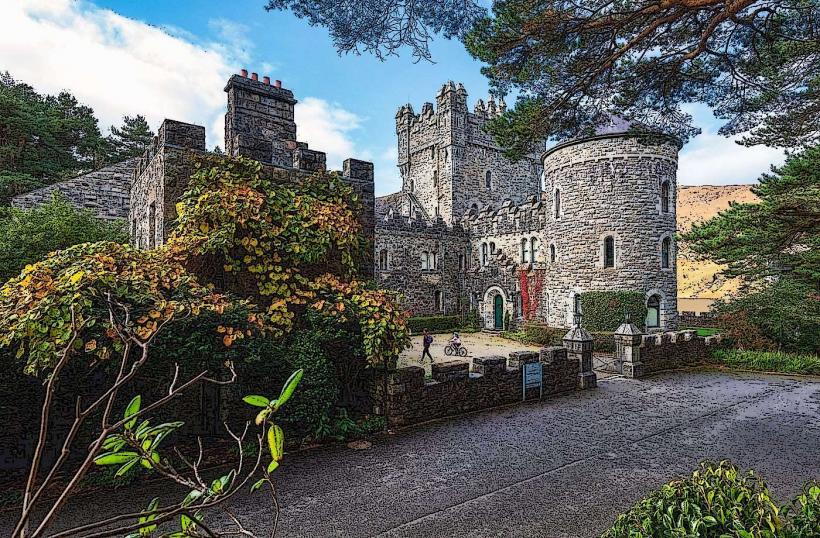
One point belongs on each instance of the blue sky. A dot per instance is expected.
(170, 59)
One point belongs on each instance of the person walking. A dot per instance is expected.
(427, 341)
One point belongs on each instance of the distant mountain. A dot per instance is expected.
(700, 279)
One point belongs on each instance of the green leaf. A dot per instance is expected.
(258, 484)
(272, 466)
(125, 468)
(131, 410)
(276, 442)
(115, 458)
(256, 400)
(288, 388)
(193, 495)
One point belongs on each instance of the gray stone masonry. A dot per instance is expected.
(411, 400)
(646, 354)
(579, 345)
(104, 191)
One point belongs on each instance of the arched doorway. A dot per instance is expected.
(498, 312)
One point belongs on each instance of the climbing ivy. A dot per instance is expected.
(605, 310)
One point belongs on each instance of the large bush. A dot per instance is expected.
(605, 310)
(434, 323)
(27, 236)
(716, 501)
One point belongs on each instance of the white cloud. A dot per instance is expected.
(326, 127)
(114, 64)
(712, 159)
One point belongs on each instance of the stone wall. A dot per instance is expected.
(404, 241)
(104, 191)
(494, 381)
(638, 355)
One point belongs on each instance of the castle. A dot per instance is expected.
(470, 231)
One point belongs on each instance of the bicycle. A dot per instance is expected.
(450, 350)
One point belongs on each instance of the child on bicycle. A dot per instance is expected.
(455, 341)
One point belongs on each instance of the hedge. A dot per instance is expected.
(604, 310)
(434, 323)
(768, 361)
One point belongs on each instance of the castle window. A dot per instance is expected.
(433, 261)
(492, 247)
(412, 188)
(483, 254)
(425, 261)
(432, 153)
(666, 246)
(439, 300)
(474, 207)
(557, 203)
(525, 251)
(488, 180)
(461, 262)
(609, 251)
(534, 249)
(552, 253)
(435, 177)
(653, 309)
(383, 259)
(665, 197)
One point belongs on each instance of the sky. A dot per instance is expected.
(171, 60)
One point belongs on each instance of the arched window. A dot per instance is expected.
(425, 261)
(534, 249)
(435, 177)
(525, 251)
(383, 259)
(474, 207)
(483, 254)
(666, 246)
(412, 186)
(432, 153)
(488, 180)
(553, 255)
(609, 251)
(665, 197)
(492, 247)
(557, 203)
(653, 311)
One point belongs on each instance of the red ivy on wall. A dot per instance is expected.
(531, 286)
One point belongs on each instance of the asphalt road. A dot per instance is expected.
(564, 467)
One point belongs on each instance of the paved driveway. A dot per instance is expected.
(564, 467)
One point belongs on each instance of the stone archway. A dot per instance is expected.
(494, 307)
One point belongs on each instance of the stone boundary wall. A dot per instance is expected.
(494, 381)
(665, 351)
(696, 319)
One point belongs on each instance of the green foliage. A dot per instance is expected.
(287, 241)
(342, 428)
(717, 500)
(603, 341)
(45, 137)
(130, 140)
(540, 334)
(604, 311)
(576, 65)
(72, 289)
(783, 315)
(434, 323)
(27, 236)
(768, 361)
(14, 183)
(778, 237)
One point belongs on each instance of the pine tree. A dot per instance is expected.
(130, 140)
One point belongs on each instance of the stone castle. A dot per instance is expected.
(470, 230)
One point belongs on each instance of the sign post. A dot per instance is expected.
(532, 373)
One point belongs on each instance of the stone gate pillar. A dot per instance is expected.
(579, 347)
(628, 349)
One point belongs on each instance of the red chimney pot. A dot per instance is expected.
(266, 80)
(244, 73)
(254, 76)
(278, 83)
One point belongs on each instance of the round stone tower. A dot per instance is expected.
(610, 226)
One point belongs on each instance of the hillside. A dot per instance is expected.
(699, 279)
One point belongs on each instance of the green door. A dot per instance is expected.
(498, 312)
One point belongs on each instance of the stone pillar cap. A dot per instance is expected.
(628, 329)
(578, 334)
